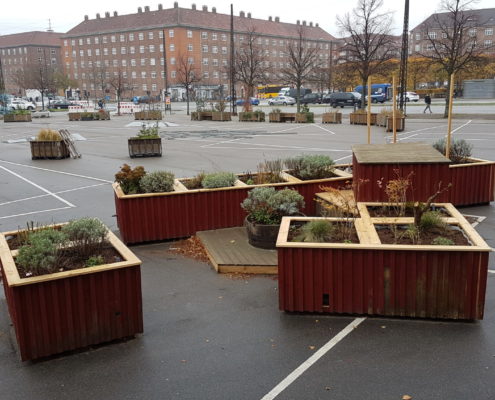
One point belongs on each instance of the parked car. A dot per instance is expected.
(253, 100)
(342, 99)
(378, 98)
(60, 104)
(409, 96)
(282, 101)
(19, 104)
(312, 98)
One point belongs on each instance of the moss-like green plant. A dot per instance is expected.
(95, 261)
(442, 241)
(157, 181)
(129, 178)
(265, 205)
(218, 179)
(460, 150)
(317, 166)
(318, 230)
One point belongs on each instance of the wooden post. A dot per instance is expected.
(449, 129)
(368, 118)
(394, 108)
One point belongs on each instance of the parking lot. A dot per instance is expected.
(210, 336)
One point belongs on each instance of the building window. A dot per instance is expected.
(214, 62)
(206, 75)
(89, 52)
(66, 54)
(487, 43)
(143, 62)
(115, 63)
(114, 50)
(153, 87)
(143, 74)
(214, 36)
(152, 48)
(122, 38)
(133, 62)
(81, 53)
(141, 49)
(132, 50)
(488, 31)
(104, 39)
(82, 65)
(97, 52)
(73, 53)
(161, 48)
(122, 50)
(133, 74)
(205, 61)
(39, 50)
(224, 62)
(152, 61)
(189, 47)
(190, 60)
(172, 47)
(444, 35)
(160, 34)
(224, 37)
(215, 74)
(153, 74)
(150, 35)
(107, 63)
(205, 48)
(267, 41)
(145, 86)
(189, 34)
(417, 47)
(224, 75)
(214, 49)
(124, 63)
(80, 42)
(65, 43)
(173, 74)
(171, 33)
(162, 61)
(274, 42)
(172, 61)
(141, 36)
(472, 32)
(432, 35)
(113, 38)
(73, 42)
(131, 37)
(224, 50)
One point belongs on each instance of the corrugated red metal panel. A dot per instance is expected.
(472, 184)
(424, 284)
(144, 219)
(424, 180)
(66, 314)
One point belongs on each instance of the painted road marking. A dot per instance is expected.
(35, 212)
(311, 360)
(490, 271)
(324, 129)
(39, 187)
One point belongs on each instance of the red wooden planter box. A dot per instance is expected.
(160, 216)
(378, 279)
(472, 183)
(74, 309)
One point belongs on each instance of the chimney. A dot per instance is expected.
(277, 19)
(115, 14)
(147, 8)
(270, 18)
(193, 7)
(160, 7)
(107, 14)
(86, 18)
(205, 8)
(311, 24)
(304, 23)
(241, 14)
(140, 10)
(214, 10)
(176, 4)
(249, 15)
(98, 16)
(317, 24)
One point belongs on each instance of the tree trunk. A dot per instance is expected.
(446, 111)
(187, 100)
(118, 103)
(365, 92)
(298, 97)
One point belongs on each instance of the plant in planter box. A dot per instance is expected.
(129, 178)
(304, 115)
(157, 182)
(218, 180)
(460, 150)
(317, 166)
(266, 207)
(147, 143)
(48, 144)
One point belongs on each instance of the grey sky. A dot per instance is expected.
(34, 15)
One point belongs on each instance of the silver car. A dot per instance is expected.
(282, 101)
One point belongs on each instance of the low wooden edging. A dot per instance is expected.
(144, 147)
(17, 118)
(361, 119)
(41, 150)
(148, 115)
(160, 216)
(371, 278)
(73, 309)
(251, 117)
(331, 118)
(281, 117)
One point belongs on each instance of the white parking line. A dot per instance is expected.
(490, 271)
(311, 360)
(35, 212)
(38, 186)
(324, 129)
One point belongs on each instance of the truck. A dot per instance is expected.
(292, 92)
(380, 92)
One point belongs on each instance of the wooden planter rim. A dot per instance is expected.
(474, 163)
(179, 187)
(369, 239)
(13, 279)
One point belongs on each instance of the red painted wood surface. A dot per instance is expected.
(403, 283)
(66, 314)
(181, 214)
(472, 184)
(424, 180)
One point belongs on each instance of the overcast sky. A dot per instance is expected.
(30, 15)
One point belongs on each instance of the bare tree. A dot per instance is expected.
(187, 75)
(63, 81)
(121, 84)
(249, 65)
(302, 63)
(451, 38)
(369, 43)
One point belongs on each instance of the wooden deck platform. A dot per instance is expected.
(229, 252)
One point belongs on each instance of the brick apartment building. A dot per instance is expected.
(480, 27)
(20, 50)
(136, 45)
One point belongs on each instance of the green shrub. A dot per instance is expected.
(148, 132)
(40, 254)
(218, 179)
(87, 236)
(157, 181)
(265, 205)
(430, 220)
(129, 178)
(460, 150)
(318, 230)
(94, 261)
(317, 166)
(442, 241)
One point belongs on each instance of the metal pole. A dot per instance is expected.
(449, 129)
(394, 108)
(368, 117)
(232, 72)
(165, 77)
(403, 59)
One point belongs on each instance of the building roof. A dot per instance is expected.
(194, 18)
(482, 17)
(34, 38)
